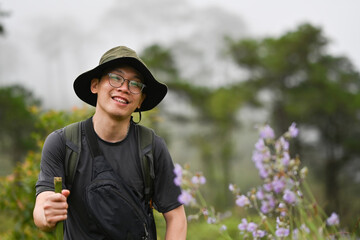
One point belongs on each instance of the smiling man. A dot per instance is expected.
(109, 162)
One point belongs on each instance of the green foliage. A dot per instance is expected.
(16, 121)
(217, 110)
(282, 207)
(17, 191)
(17, 194)
(312, 88)
(161, 63)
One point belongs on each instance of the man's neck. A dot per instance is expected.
(111, 129)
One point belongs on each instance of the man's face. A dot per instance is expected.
(115, 99)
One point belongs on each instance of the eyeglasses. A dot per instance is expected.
(117, 81)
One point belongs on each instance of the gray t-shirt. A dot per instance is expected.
(124, 159)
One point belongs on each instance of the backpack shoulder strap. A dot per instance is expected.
(73, 148)
(145, 143)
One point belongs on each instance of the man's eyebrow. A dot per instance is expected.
(135, 76)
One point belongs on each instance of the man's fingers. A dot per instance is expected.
(57, 197)
(53, 219)
(65, 193)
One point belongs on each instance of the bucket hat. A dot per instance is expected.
(154, 90)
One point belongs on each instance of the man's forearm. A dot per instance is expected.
(176, 224)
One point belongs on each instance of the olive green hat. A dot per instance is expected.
(154, 90)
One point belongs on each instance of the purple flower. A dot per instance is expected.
(186, 198)
(333, 220)
(243, 225)
(178, 170)
(178, 181)
(271, 199)
(263, 172)
(257, 157)
(211, 220)
(267, 132)
(295, 234)
(265, 207)
(205, 212)
(258, 234)
(282, 144)
(293, 131)
(223, 228)
(251, 227)
(267, 187)
(282, 232)
(178, 173)
(242, 200)
(198, 179)
(282, 209)
(260, 194)
(304, 228)
(260, 145)
(289, 196)
(286, 159)
(231, 187)
(278, 184)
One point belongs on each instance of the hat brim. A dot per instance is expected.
(154, 90)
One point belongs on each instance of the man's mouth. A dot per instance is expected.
(121, 100)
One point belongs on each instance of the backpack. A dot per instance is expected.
(111, 185)
(145, 138)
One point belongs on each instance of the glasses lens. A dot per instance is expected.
(133, 86)
(116, 80)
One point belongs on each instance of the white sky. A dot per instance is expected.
(78, 32)
(339, 20)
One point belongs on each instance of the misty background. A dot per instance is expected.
(47, 44)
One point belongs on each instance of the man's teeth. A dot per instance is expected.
(120, 100)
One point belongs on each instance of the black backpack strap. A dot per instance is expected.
(73, 148)
(145, 137)
(91, 137)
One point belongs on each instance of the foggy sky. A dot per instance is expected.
(46, 47)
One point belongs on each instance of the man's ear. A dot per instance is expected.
(143, 96)
(94, 85)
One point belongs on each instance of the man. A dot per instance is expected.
(120, 85)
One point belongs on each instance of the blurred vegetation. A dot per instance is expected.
(2, 14)
(17, 190)
(308, 86)
(17, 122)
(312, 88)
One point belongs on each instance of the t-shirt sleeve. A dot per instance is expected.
(52, 162)
(166, 193)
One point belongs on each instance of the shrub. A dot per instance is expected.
(283, 207)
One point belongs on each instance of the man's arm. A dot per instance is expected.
(50, 208)
(176, 224)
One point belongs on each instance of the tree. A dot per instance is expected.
(16, 121)
(2, 14)
(216, 110)
(312, 88)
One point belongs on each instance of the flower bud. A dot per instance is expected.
(304, 172)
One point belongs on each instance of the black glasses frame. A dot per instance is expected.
(121, 80)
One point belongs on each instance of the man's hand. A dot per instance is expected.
(50, 208)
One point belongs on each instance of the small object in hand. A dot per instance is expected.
(59, 231)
